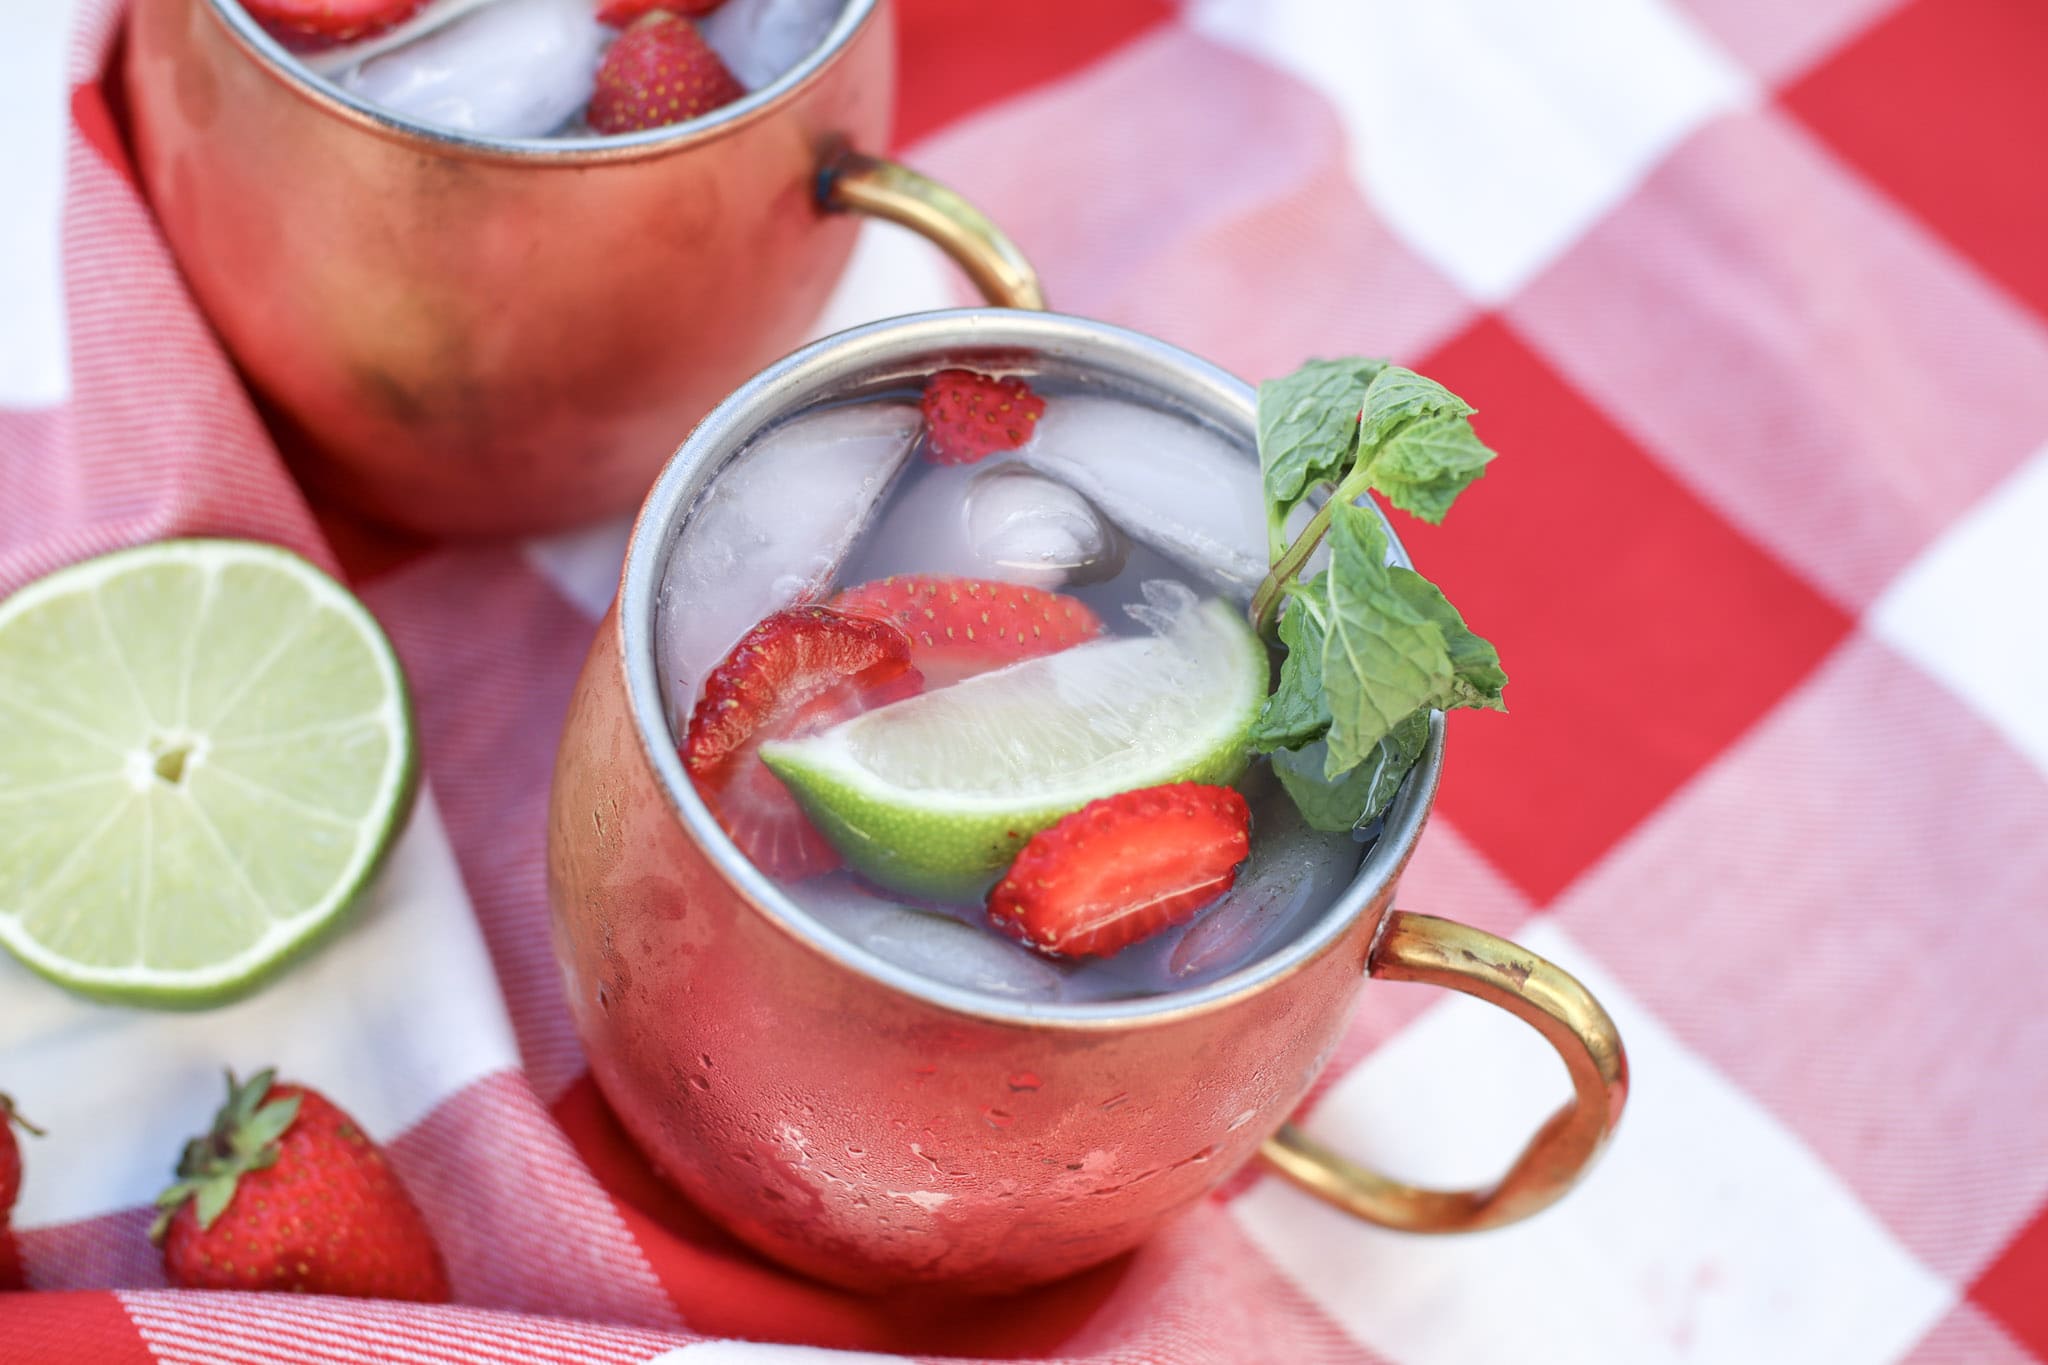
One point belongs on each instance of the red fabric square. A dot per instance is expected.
(2015, 1289)
(1641, 632)
(949, 68)
(1943, 104)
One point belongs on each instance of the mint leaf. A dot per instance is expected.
(1398, 395)
(1296, 713)
(1476, 676)
(1308, 425)
(1357, 796)
(1381, 658)
(1425, 464)
(1393, 644)
(1371, 648)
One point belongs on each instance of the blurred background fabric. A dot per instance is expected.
(1753, 299)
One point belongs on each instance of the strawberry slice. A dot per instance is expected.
(619, 13)
(659, 71)
(970, 416)
(796, 672)
(305, 25)
(959, 627)
(1123, 868)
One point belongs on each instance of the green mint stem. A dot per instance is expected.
(1265, 607)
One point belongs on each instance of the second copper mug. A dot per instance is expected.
(477, 335)
(876, 1128)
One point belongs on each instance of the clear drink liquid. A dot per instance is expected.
(1115, 502)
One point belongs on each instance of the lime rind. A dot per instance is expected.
(934, 796)
(246, 907)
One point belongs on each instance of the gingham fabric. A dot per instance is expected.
(1752, 296)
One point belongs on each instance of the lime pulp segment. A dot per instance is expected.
(208, 752)
(933, 796)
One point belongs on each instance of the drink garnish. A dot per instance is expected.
(796, 672)
(1372, 648)
(970, 416)
(959, 627)
(1122, 869)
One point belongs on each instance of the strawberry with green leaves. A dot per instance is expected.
(10, 1188)
(287, 1192)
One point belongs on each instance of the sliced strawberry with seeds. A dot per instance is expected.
(304, 25)
(619, 13)
(796, 672)
(959, 627)
(970, 416)
(1122, 869)
(659, 71)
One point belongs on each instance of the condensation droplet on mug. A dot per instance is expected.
(1115, 1101)
(700, 1082)
(604, 999)
(1025, 1080)
(704, 1060)
(1241, 1120)
(996, 1118)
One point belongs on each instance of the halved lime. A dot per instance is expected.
(934, 796)
(208, 750)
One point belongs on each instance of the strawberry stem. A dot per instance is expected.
(9, 1114)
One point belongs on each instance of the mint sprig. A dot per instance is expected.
(1372, 648)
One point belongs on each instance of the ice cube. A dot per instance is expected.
(1166, 602)
(1169, 481)
(1294, 874)
(327, 61)
(928, 943)
(515, 68)
(761, 39)
(773, 528)
(1034, 530)
(996, 521)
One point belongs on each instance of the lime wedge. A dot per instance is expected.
(934, 796)
(208, 751)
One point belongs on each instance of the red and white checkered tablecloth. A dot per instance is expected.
(1753, 296)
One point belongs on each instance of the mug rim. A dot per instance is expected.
(812, 372)
(284, 65)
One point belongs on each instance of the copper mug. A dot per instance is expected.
(476, 335)
(878, 1129)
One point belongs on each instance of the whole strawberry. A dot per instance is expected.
(659, 71)
(287, 1193)
(10, 1156)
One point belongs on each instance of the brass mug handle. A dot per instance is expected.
(852, 181)
(1439, 952)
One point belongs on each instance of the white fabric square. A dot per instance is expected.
(583, 564)
(399, 1012)
(35, 114)
(1490, 133)
(1708, 1233)
(1969, 609)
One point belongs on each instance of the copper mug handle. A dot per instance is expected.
(852, 181)
(1439, 952)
